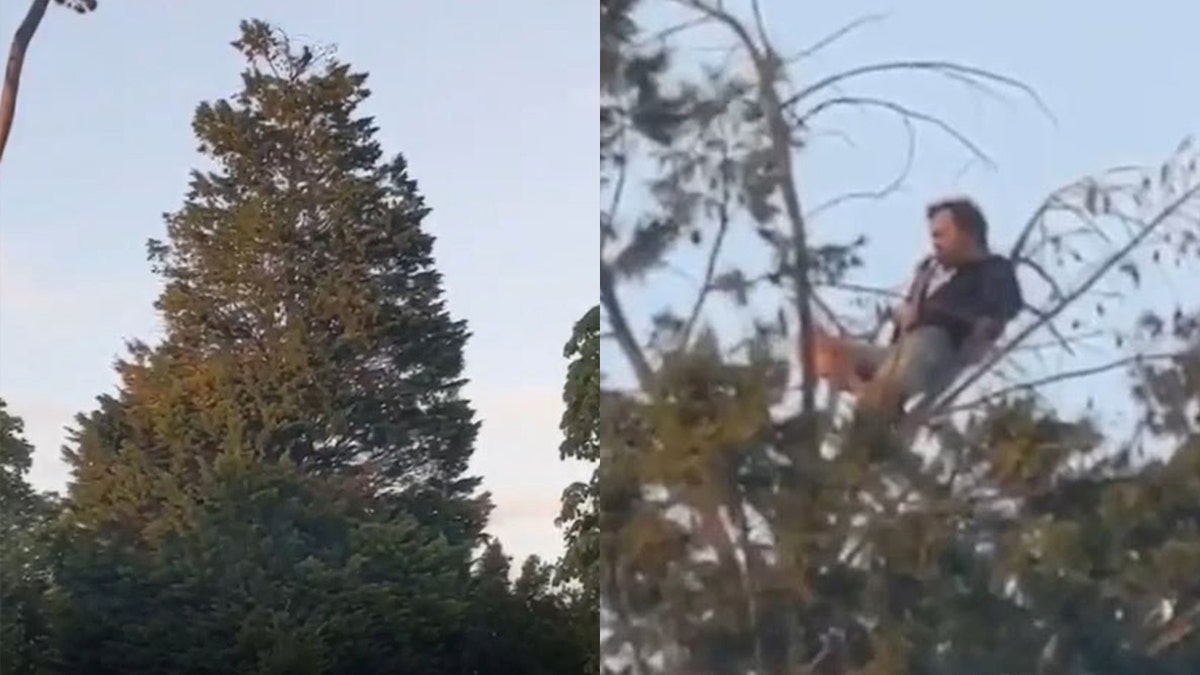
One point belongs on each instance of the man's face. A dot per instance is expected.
(950, 244)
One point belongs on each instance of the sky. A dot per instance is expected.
(1113, 75)
(494, 106)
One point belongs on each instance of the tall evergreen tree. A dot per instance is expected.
(303, 313)
(280, 486)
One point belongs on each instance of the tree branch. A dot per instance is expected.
(766, 65)
(16, 62)
(1060, 377)
(942, 67)
(710, 268)
(622, 331)
(838, 34)
(906, 113)
(895, 184)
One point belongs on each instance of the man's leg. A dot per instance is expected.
(920, 364)
(847, 363)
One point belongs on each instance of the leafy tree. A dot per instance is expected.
(581, 427)
(303, 314)
(16, 58)
(580, 424)
(521, 625)
(24, 580)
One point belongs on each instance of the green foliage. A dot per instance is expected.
(580, 425)
(266, 570)
(24, 518)
(1023, 548)
(521, 625)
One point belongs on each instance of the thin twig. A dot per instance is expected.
(710, 268)
(1055, 290)
(618, 190)
(838, 34)
(1062, 341)
(859, 288)
(662, 35)
(905, 112)
(895, 184)
(935, 66)
(1060, 377)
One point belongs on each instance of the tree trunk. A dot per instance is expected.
(16, 60)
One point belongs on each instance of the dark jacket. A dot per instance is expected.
(982, 289)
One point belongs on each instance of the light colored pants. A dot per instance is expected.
(922, 363)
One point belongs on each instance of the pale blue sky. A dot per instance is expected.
(1117, 76)
(494, 105)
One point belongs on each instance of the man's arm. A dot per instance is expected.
(1002, 302)
(1002, 292)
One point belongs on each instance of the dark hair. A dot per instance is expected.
(966, 215)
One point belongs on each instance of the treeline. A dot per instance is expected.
(281, 484)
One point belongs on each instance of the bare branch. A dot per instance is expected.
(904, 112)
(837, 35)
(859, 288)
(1059, 377)
(681, 27)
(1030, 224)
(710, 268)
(1070, 339)
(1062, 341)
(608, 222)
(895, 184)
(622, 331)
(16, 62)
(940, 67)
(761, 25)
(1055, 290)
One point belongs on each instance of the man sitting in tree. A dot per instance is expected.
(960, 300)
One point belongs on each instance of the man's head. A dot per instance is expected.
(958, 231)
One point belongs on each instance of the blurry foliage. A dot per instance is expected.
(1009, 539)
